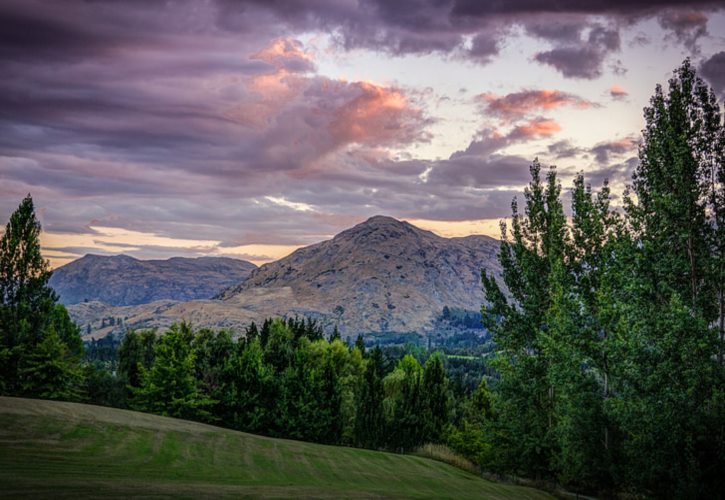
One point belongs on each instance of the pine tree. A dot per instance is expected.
(170, 387)
(370, 421)
(435, 394)
(51, 371)
(360, 344)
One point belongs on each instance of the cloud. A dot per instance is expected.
(214, 121)
(287, 54)
(519, 104)
(563, 149)
(584, 57)
(617, 92)
(603, 151)
(538, 127)
(686, 27)
(713, 70)
(377, 116)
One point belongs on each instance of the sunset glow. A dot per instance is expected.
(251, 129)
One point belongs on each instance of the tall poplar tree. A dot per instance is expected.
(538, 241)
(30, 319)
(671, 381)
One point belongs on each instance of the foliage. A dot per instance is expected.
(610, 329)
(40, 347)
(169, 387)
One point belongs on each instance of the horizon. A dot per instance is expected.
(249, 130)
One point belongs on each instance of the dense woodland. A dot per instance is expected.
(607, 377)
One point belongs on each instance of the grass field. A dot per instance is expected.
(73, 450)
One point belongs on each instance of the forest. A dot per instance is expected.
(608, 371)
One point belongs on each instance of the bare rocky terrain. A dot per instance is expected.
(382, 275)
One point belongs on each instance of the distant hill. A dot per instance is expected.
(381, 276)
(121, 280)
(52, 449)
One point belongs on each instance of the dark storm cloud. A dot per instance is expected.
(713, 70)
(424, 26)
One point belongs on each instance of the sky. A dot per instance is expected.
(251, 128)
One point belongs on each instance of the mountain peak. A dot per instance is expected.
(383, 226)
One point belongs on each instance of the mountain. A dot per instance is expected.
(121, 280)
(381, 276)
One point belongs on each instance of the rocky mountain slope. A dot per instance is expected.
(121, 280)
(381, 276)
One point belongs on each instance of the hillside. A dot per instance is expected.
(74, 451)
(121, 280)
(379, 276)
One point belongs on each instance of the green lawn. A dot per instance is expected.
(73, 450)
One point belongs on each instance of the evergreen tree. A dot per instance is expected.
(135, 354)
(370, 421)
(247, 391)
(51, 371)
(404, 405)
(169, 387)
(360, 344)
(435, 394)
(251, 332)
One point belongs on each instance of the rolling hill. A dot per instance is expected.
(69, 450)
(120, 280)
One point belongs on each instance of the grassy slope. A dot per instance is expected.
(66, 449)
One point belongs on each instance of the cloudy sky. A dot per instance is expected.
(249, 128)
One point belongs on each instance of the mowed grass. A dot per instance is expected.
(55, 449)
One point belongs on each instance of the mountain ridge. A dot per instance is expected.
(380, 276)
(122, 280)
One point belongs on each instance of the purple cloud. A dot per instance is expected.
(713, 70)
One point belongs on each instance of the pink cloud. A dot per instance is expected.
(617, 92)
(538, 127)
(377, 115)
(519, 104)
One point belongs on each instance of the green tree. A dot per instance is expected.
(517, 321)
(370, 419)
(136, 353)
(170, 387)
(435, 394)
(247, 388)
(51, 371)
(30, 319)
(404, 405)
(669, 373)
